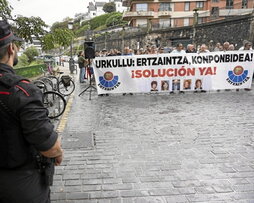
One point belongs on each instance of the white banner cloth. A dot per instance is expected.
(174, 72)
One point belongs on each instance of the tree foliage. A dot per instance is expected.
(81, 31)
(23, 26)
(115, 19)
(27, 28)
(63, 37)
(109, 7)
(59, 37)
(61, 25)
(31, 53)
(5, 10)
(48, 42)
(23, 61)
(99, 20)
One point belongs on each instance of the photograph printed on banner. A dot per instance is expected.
(187, 84)
(164, 85)
(175, 85)
(154, 86)
(198, 84)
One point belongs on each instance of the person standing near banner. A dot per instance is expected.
(28, 141)
(82, 66)
(190, 49)
(179, 49)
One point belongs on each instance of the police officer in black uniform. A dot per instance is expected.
(26, 134)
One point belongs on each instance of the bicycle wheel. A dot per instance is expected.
(54, 80)
(40, 84)
(66, 90)
(55, 103)
(48, 82)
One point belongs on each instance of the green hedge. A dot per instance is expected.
(31, 71)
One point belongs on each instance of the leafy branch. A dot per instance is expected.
(25, 27)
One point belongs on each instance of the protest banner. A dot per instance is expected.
(174, 72)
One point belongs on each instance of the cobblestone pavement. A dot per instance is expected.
(157, 149)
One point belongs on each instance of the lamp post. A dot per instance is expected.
(123, 33)
(71, 61)
(195, 22)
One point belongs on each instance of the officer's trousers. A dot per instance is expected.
(23, 186)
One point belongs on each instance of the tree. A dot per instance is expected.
(109, 7)
(23, 26)
(5, 10)
(31, 53)
(63, 37)
(48, 42)
(23, 61)
(27, 28)
(61, 25)
(57, 39)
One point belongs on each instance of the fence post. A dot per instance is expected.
(251, 34)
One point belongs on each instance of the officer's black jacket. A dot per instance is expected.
(34, 127)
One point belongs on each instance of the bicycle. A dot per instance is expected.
(55, 103)
(52, 100)
(62, 84)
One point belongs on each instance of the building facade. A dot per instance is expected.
(95, 7)
(177, 13)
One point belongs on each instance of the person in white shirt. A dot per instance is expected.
(179, 49)
(246, 46)
(203, 49)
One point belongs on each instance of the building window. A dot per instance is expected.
(187, 6)
(200, 20)
(245, 4)
(229, 4)
(186, 21)
(141, 7)
(165, 7)
(215, 12)
(200, 4)
(141, 22)
(164, 23)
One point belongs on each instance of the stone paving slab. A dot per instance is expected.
(158, 149)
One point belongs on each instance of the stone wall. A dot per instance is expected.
(234, 30)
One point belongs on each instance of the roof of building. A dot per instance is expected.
(91, 7)
(99, 4)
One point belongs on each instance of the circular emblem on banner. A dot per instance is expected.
(238, 76)
(108, 76)
(108, 81)
(238, 70)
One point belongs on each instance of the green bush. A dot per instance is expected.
(23, 61)
(31, 53)
(100, 20)
(30, 71)
(102, 27)
(109, 7)
(114, 20)
(37, 62)
(81, 31)
(85, 23)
